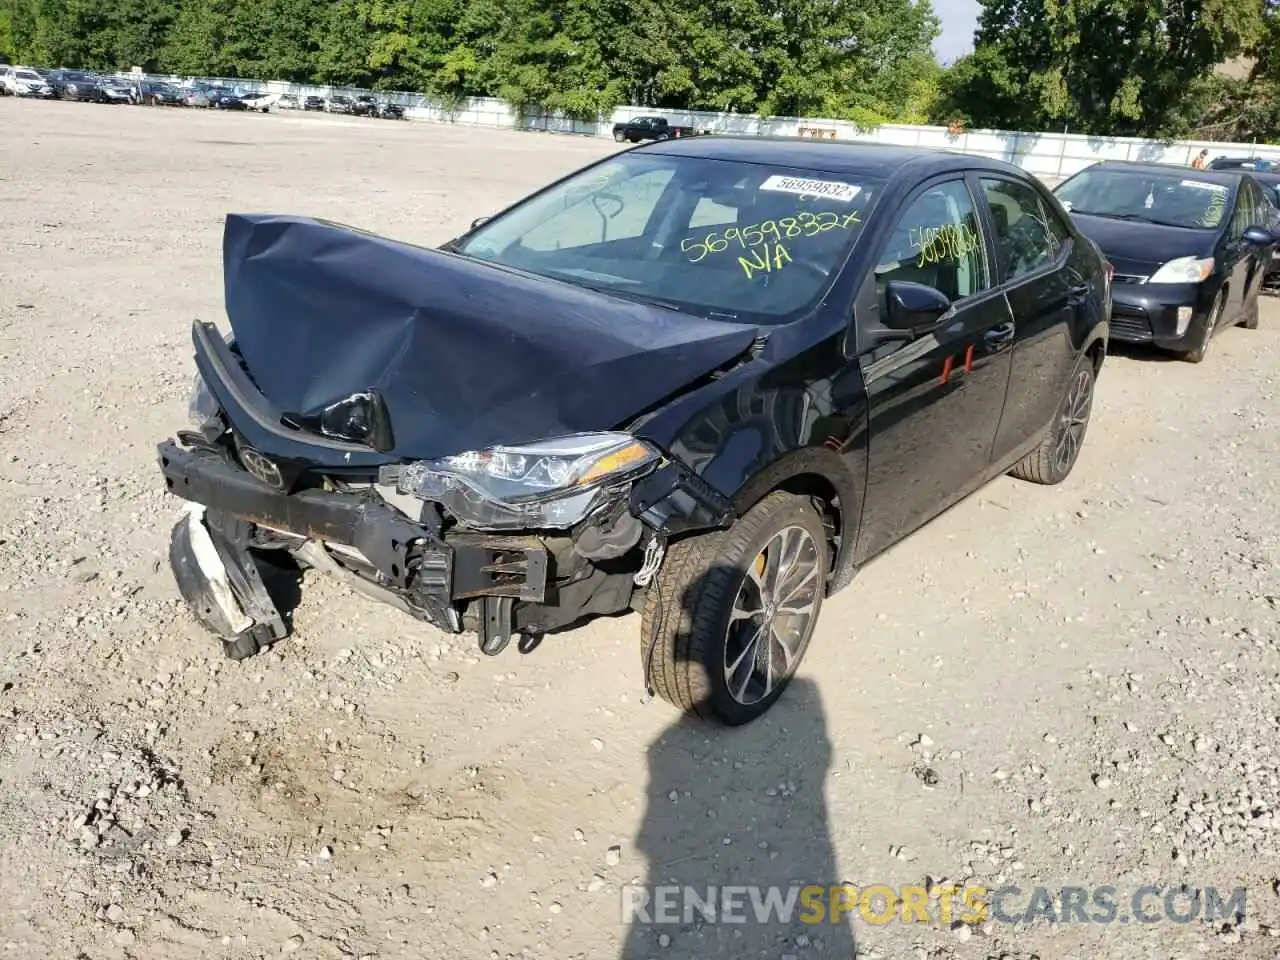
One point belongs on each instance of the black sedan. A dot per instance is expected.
(1190, 248)
(708, 379)
(221, 98)
(77, 85)
(313, 104)
(157, 94)
(391, 111)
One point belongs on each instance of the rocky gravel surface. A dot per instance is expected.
(1076, 687)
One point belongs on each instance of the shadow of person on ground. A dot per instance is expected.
(740, 807)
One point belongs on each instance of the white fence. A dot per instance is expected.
(1051, 156)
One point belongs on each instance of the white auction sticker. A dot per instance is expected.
(1202, 185)
(832, 189)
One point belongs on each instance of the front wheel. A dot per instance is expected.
(1201, 349)
(1052, 461)
(619, 136)
(729, 618)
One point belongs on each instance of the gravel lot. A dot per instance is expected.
(1068, 686)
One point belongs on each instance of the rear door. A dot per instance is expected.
(935, 402)
(1045, 287)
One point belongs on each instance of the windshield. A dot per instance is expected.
(738, 240)
(26, 75)
(1174, 199)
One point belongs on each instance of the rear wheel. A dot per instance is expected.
(1052, 461)
(729, 618)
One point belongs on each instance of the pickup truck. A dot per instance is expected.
(649, 128)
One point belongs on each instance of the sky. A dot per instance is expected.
(959, 18)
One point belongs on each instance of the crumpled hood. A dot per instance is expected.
(465, 355)
(1141, 248)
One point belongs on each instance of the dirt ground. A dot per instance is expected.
(1070, 686)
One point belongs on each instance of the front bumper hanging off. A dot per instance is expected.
(430, 576)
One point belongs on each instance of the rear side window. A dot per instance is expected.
(937, 242)
(1024, 240)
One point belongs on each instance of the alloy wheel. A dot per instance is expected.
(773, 613)
(1075, 418)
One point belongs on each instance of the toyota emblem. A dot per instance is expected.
(262, 468)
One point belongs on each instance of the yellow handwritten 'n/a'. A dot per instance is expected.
(761, 262)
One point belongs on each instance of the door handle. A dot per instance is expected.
(999, 337)
(1078, 292)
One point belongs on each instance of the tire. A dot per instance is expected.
(686, 638)
(1052, 461)
(1201, 350)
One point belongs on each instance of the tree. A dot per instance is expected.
(1109, 67)
(866, 60)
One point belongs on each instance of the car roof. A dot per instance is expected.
(854, 158)
(1228, 178)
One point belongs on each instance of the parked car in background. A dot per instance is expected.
(159, 94)
(1190, 248)
(720, 375)
(22, 81)
(119, 90)
(313, 104)
(259, 102)
(196, 95)
(389, 110)
(288, 101)
(340, 104)
(365, 105)
(224, 98)
(77, 85)
(1251, 164)
(5, 70)
(649, 128)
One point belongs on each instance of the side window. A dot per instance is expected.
(1059, 235)
(1256, 210)
(616, 211)
(937, 242)
(1023, 239)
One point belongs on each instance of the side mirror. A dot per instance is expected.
(1259, 236)
(479, 221)
(913, 307)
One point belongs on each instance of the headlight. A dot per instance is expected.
(202, 405)
(551, 484)
(1183, 270)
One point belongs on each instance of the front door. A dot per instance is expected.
(934, 404)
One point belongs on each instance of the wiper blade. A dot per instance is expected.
(1139, 218)
(1109, 216)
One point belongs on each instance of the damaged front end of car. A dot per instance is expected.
(501, 539)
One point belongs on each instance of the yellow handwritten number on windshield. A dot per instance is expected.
(765, 232)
